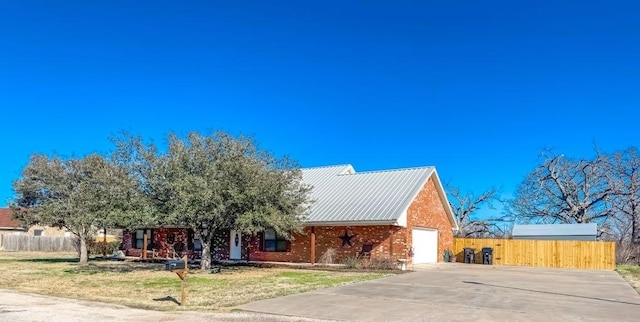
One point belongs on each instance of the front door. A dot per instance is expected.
(235, 245)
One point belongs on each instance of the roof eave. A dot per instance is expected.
(352, 223)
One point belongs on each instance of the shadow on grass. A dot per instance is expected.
(91, 268)
(167, 299)
(49, 260)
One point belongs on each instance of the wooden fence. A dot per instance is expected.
(542, 253)
(25, 243)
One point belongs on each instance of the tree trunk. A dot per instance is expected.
(205, 262)
(84, 256)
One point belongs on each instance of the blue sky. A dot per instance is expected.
(476, 88)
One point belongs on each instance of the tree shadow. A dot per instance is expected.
(50, 260)
(167, 299)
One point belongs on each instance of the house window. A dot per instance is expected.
(38, 232)
(140, 238)
(274, 243)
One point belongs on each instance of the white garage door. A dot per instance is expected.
(425, 245)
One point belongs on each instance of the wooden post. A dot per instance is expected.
(391, 242)
(182, 273)
(313, 245)
(144, 244)
(104, 241)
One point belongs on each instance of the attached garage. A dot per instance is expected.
(425, 245)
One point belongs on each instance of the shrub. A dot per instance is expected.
(353, 262)
(328, 257)
(98, 248)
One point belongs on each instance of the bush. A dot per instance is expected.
(328, 257)
(99, 248)
(353, 262)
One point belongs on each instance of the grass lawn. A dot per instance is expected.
(147, 285)
(631, 273)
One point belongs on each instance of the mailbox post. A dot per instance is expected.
(181, 268)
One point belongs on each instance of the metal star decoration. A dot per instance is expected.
(346, 238)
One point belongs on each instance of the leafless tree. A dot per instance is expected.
(464, 205)
(564, 190)
(625, 181)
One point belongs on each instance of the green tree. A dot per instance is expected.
(79, 194)
(218, 182)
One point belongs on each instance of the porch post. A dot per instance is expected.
(313, 245)
(391, 242)
(144, 244)
(104, 242)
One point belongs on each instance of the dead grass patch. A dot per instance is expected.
(148, 285)
(631, 273)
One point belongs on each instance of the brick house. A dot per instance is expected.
(395, 214)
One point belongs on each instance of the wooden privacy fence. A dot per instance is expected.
(16, 243)
(542, 253)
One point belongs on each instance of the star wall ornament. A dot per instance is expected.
(346, 238)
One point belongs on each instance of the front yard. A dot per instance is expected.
(146, 285)
(631, 273)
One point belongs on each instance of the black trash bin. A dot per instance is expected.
(469, 254)
(487, 256)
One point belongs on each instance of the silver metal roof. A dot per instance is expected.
(376, 197)
(555, 230)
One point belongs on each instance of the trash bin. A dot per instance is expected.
(487, 256)
(469, 254)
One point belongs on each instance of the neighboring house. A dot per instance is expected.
(556, 232)
(8, 224)
(14, 226)
(395, 214)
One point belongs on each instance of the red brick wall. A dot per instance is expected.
(220, 245)
(427, 211)
(159, 239)
(161, 242)
(328, 237)
(127, 239)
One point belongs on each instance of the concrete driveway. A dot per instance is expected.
(459, 292)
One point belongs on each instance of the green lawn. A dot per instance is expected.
(631, 273)
(146, 285)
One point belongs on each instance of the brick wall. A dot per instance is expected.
(220, 245)
(427, 211)
(159, 241)
(329, 237)
(166, 247)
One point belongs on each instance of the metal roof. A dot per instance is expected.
(555, 230)
(377, 197)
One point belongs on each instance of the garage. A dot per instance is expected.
(425, 245)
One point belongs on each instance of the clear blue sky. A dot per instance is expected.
(476, 88)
